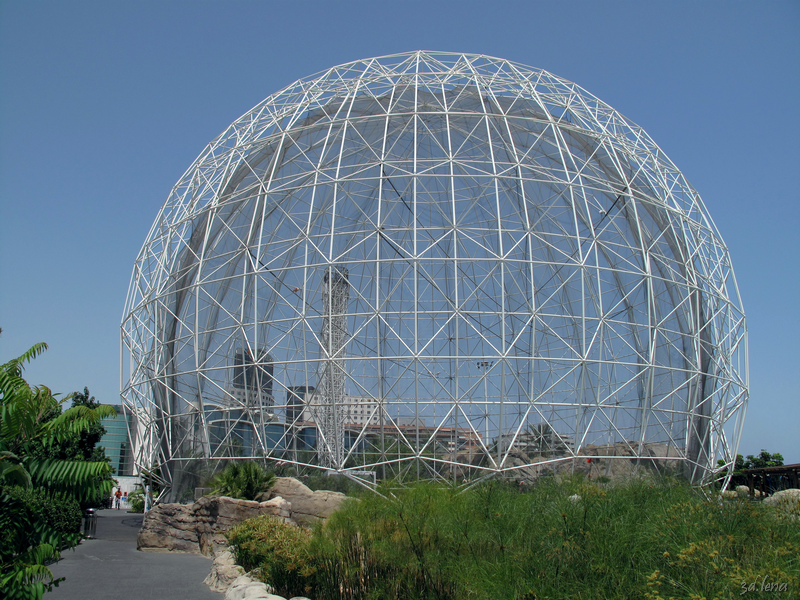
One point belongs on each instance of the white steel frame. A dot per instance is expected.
(523, 264)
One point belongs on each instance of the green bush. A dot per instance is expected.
(242, 479)
(279, 550)
(60, 512)
(35, 525)
(136, 500)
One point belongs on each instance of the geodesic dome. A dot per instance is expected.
(434, 265)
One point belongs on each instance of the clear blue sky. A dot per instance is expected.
(103, 105)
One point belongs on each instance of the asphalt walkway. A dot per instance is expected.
(111, 568)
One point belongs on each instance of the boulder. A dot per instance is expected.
(785, 498)
(223, 572)
(307, 507)
(740, 494)
(199, 527)
(245, 588)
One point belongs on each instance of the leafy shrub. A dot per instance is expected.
(34, 527)
(136, 500)
(279, 550)
(242, 479)
(26, 546)
(60, 512)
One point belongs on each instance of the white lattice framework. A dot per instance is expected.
(529, 280)
(335, 294)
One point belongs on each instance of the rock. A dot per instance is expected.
(241, 581)
(741, 491)
(223, 572)
(244, 588)
(611, 462)
(199, 527)
(786, 498)
(307, 507)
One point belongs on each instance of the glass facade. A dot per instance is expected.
(116, 443)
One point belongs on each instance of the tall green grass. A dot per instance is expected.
(643, 539)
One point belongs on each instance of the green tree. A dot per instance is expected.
(81, 445)
(32, 418)
(742, 464)
(86, 442)
(77, 445)
(762, 460)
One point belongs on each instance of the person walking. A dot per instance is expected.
(117, 496)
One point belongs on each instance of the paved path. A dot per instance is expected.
(110, 567)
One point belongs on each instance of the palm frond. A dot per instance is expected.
(82, 479)
(12, 472)
(16, 365)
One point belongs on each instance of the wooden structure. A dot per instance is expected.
(773, 479)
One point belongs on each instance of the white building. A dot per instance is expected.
(251, 398)
(359, 410)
